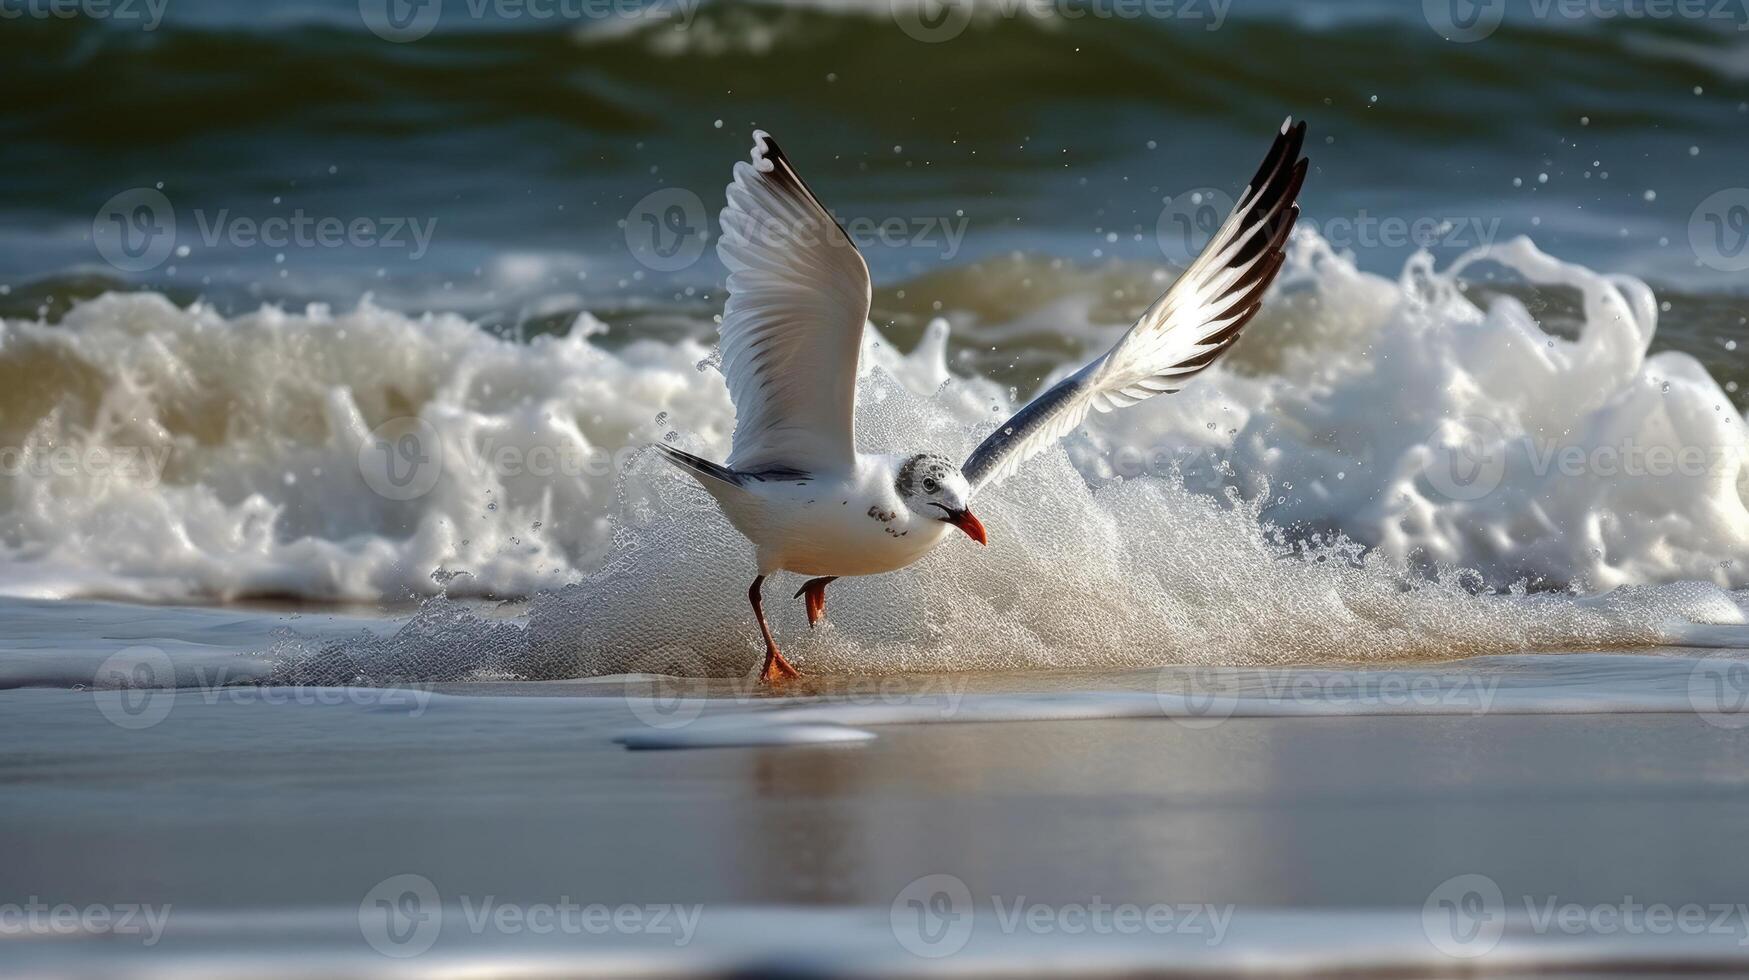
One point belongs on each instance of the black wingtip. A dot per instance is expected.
(773, 165)
(1269, 198)
(767, 155)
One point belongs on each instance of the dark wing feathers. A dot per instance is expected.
(1184, 332)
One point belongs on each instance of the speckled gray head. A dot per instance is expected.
(932, 486)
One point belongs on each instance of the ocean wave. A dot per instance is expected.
(1375, 454)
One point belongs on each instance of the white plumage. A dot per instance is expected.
(798, 298)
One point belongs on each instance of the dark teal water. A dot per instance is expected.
(501, 160)
(523, 142)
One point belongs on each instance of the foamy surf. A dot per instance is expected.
(1377, 455)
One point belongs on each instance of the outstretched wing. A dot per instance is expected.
(1182, 333)
(792, 327)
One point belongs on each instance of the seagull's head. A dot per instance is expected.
(933, 488)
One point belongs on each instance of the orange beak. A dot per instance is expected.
(974, 528)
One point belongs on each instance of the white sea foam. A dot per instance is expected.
(1359, 413)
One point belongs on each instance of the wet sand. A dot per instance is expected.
(258, 821)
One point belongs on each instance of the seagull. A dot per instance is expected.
(798, 298)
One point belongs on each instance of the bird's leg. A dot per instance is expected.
(816, 590)
(776, 668)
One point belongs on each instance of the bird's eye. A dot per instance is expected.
(930, 486)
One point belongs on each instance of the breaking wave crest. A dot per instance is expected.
(1415, 467)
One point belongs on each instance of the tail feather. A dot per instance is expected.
(700, 467)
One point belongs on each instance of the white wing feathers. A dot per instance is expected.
(792, 326)
(1181, 334)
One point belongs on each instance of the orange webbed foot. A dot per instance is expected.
(777, 668)
(815, 590)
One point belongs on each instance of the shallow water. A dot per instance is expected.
(1304, 818)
